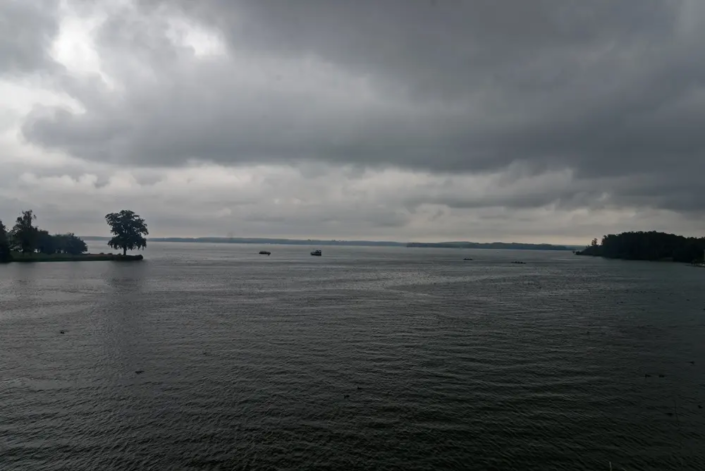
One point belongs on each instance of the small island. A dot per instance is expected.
(27, 243)
(654, 246)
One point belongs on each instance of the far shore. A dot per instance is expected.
(39, 257)
(351, 243)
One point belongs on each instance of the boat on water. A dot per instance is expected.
(264, 252)
(316, 253)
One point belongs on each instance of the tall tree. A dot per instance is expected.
(4, 245)
(25, 233)
(129, 230)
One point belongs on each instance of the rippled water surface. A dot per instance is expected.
(365, 358)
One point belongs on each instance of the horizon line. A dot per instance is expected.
(369, 241)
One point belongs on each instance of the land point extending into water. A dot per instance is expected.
(652, 246)
(25, 242)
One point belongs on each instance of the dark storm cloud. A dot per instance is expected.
(444, 46)
(26, 31)
(609, 90)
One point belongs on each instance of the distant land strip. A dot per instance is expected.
(358, 243)
(489, 245)
(246, 240)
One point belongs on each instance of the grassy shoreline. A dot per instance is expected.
(38, 257)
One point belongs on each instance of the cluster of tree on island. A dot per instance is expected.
(25, 239)
(647, 246)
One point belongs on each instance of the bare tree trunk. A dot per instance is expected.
(124, 251)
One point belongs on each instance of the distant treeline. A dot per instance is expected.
(254, 240)
(490, 245)
(647, 246)
(358, 243)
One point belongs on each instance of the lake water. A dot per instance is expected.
(365, 358)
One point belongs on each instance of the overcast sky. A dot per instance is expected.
(513, 120)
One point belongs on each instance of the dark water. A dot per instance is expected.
(365, 358)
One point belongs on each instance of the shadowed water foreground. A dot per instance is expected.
(207, 356)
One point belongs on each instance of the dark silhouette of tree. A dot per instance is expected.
(46, 243)
(4, 245)
(70, 244)
(24, 234)
(129, 230)
(60, 243)
(648, 246)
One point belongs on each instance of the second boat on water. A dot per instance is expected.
(316, 253)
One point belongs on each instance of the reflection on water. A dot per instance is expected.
(366, 358)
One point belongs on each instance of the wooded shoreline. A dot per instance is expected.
(650, 246)
(26, 243)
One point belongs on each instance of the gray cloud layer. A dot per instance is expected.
(27, 29)
(611, 92)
